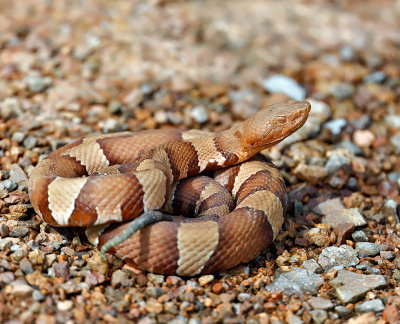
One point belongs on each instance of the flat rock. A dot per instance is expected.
(351, 286)
(343, 232)
(312, 265)
(279, 83)
(329, 206)
(336, 125)
(319, 316)
(367, 318)
(320, 303)
(334, 256)
(375, 305)
(359, 236)
(337, 159)
(342, 311)
(17, 174)
(18, 288)
(351, 215)
(367, 249)
(297, 281)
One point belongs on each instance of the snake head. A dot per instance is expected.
(273, 123)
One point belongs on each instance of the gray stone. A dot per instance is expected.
(35, 83)
(351, 215)
(30, 142)
(279, 83)
(7, 277)
(320, 303)
(395, 140)
(19, 231)
(394, 176)
(374, 305)
(342, 90)
(387, 255)
(294, 319)
(329, 206)
(367, 249)
(312, 265)
(376, 77)
(199, 114)
(335, 126)
(119, 278)
(319, 315)
(351, 286)
(5, 243)
(334, 256)
(17, 174)
(111, 125)
(38, 296)
(393, 121)
(244, 102)
(362, 122)
(297, 281)
(114, 106)
(9, 185)
(372, 270)
(19, 288)
(359, 236)
(155, 278)
(347, 53)
(336, 161)
(17, 137)
(350, 146)
(343, 311)
(155, 291)
(25, 266)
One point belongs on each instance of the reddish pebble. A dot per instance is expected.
(391, 314)
(217, 288)
(301, 241)
(343, 232)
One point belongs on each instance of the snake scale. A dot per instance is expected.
(171, 201)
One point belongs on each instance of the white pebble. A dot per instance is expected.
(363, 138)
(279, 83)
(65, 305)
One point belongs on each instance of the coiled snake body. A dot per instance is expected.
(132, 179)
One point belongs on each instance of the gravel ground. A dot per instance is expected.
(73, 68)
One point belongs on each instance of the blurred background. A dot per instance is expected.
(192, 63)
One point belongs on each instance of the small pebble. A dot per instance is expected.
(282, 84)
(199, 114)
(391, 314)
(335, 126)
(333, 256)
(204, 280)
(367, 249)
(319, 316)
(65, 305)
(320, 303)
(155, 278)
(30, 142)
(375, 305)
(359, 236)
(363, 138)
(342, 311)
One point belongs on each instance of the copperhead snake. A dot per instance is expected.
(127, 187)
